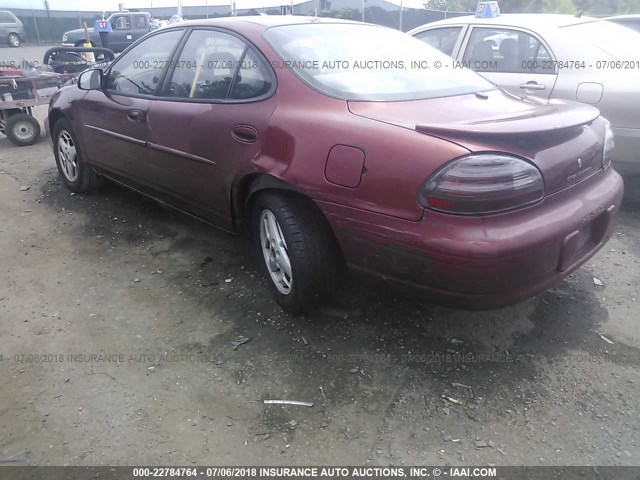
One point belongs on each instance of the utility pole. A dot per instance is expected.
(35, 23)
(50, 33)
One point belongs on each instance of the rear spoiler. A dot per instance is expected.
(556, 116)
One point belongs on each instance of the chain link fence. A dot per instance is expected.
(48, 27)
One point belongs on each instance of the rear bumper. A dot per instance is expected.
(482, 263)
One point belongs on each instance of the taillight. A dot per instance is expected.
(609, 143)
(482, 183)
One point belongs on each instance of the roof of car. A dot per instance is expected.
(534, 21)
(266, 20)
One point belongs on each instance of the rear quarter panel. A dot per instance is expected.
(397, 160)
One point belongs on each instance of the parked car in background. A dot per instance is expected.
(630, 21)
(127, 27)
(554, 56)
(11, 29)
(321, 139)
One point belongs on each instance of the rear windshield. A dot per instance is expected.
(619, 42)
(371, 63)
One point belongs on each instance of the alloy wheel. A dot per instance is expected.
(274, 249)
(68, 156)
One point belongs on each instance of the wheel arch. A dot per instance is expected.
(249, 185)
(57, 114)
(53, 117)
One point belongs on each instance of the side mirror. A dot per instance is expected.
(90, 79)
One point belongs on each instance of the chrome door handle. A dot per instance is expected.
(533, 86)
(135, 115)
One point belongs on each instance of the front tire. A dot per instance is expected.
(295, 250)
(13, 40)
(77, 175)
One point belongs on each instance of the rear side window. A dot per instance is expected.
(214, 65)
(444, 39)
(506, 51)
(253, 79)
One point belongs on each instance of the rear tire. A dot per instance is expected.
(13, 40)
(76, 173)
(22, 129)
(298, 237)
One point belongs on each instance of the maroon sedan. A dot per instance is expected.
(339, 143)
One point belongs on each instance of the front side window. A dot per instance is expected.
(140, 70)
(444, 39)
(121, 23)
(371, 63)
(506, 51)
(206, 69)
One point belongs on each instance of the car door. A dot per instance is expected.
(514, 59)
(210, 122)
(140, 26)
(114, 118)
(121, 35)
(445, 39)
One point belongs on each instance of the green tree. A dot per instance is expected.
(559, 6)
(607, 7)
(520, 6)
(506, 6)
(589, 7)
(451, 5)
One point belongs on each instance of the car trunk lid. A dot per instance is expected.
(557, 136)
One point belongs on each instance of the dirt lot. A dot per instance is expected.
(157, 300)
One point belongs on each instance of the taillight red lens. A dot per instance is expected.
(609, 144)
(481, 184)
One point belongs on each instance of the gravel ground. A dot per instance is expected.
(158, 299)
